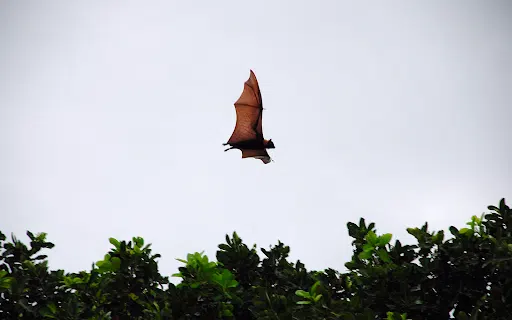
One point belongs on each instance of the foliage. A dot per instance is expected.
(468, 276)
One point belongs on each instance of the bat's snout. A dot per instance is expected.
(270, 144)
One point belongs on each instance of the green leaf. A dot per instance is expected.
(224, 246)
(353, 229)
(466, 231)
(368, 247)
(415, 232)
(227, 313)
(365, 255)
(224, 279)
(454, 231)
(371, 237)
(314, 287)
(438, 237)
(384, 256)
(303, 302)
(463, 230)
(41, 236)
(351, 265)
(503, 206)
(396, 316)
(114, 242)
(302, 293)
(385, 239)
(138, 241)
(6, 282)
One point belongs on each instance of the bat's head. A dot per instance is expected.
(270, 144)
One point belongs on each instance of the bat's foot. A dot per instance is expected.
(229, 149)
(225, 144)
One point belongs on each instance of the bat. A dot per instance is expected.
(248, 133)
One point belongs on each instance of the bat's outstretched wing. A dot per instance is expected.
(249, 110)
(256, 153)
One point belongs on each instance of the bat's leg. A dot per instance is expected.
(225, 144)
(229, 149)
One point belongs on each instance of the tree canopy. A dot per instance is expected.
(466, 274)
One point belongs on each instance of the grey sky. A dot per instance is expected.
(113, 115)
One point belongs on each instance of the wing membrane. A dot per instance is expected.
(249, 110)
(256, 153)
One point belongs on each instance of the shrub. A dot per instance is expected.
(468, 276)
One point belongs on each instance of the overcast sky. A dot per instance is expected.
(113, 115)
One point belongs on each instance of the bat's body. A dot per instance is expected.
(248, 133)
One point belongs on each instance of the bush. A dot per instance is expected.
(468, 276)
